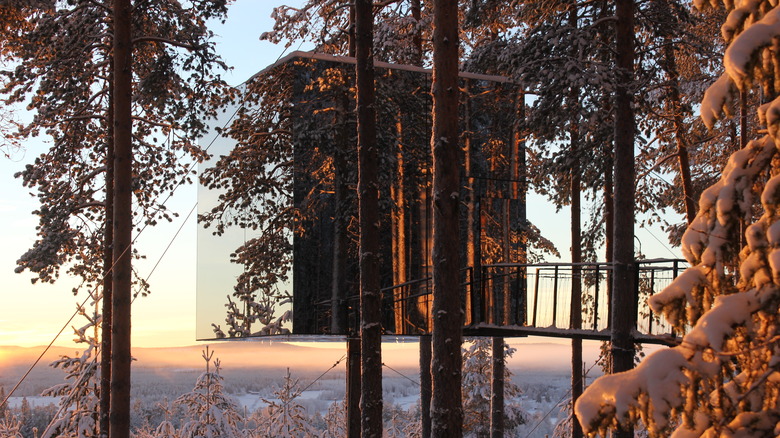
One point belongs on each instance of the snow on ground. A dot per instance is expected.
(34, 401)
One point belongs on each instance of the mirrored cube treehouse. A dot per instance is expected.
(277, 235)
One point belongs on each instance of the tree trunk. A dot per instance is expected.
(108, 261)
(576, 250)
(123, 222)
(472, 212)
(609, 225)
(680, 135)
(399, 237)
(446, 410)
(576, 282)
(416, 9)
(497, 389)
(368, 205)
(108, 273)
(519, 192)
(623, 300)
(339, 286)
(353, 387)
(425, 385)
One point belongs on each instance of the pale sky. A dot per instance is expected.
(32, 315)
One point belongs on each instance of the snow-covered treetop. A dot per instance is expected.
(722, 379)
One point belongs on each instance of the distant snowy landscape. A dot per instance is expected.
(254, 371)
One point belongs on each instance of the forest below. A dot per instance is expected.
(378, 181)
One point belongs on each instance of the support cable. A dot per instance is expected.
(300, 392)
(140, 231)
(400, 374)
(561, 400)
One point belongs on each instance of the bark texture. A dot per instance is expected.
(623, 299)
(123, 222)
(446, 409)
(108, 261)
(368, 207)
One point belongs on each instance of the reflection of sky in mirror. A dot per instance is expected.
(216, 274)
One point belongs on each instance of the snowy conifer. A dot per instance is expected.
(78, 405)
(477, 372)
(335, 420)
(3, 404)
(285, 417)
(10, 427)
(210, 412)
(722, 378)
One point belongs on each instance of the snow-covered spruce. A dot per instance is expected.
(211, 413)
(723, 379)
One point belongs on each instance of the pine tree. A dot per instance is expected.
(335, 420)
(210, 413)
(10, 426)
(285, 418)
(720, 380)
(3, 404)
(446, 362)
(67, 83)
(477, 378)
(79, 394)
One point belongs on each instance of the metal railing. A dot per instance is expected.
(528, 295)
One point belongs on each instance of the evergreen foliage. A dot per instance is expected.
(210, 412)
(285, 418)
(720, 380)
(477, 376)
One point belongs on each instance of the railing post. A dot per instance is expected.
(482, 296)
(520, 298)
(536, 295)
(596, 300)
(650, 310)
(636, 295)
(555, 297)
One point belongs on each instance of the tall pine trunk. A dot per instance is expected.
(368, 206)
(108, 261)
(576, 248)
(446, 409)
(339, 285)
(399, 234)
(623, 300)
(123, 222)
(340, 267)
(576, 282)
(498, 367)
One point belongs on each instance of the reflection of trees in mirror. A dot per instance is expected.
(290, 181)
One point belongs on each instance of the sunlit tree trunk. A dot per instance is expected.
(446, 410)
(368, 205)
(123, 222)
(399, 237)
(472, 213)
